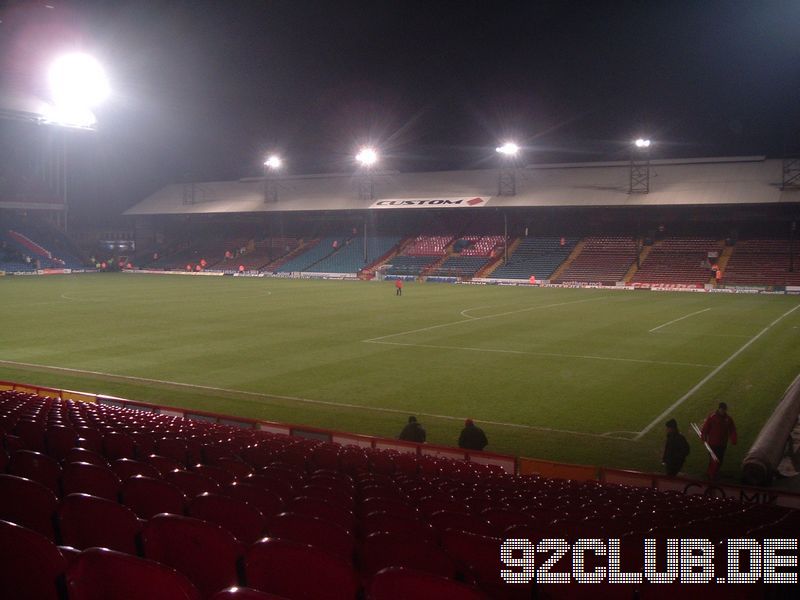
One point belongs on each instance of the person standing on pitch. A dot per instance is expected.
(717, 429)
(398, 284)
(413, 431)
(676, 449)
(472, 437)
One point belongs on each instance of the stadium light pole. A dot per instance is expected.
(272, 164)
(77, 85)
(367, 157)
(507, 182)
(640, 167)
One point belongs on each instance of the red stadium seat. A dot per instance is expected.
(32, 435)
(241, 593)
(191, 483)
(148, 497)
(85, 478)
(381, 550)
(443, 520)
(86, 521)
(3, 460)
(37, 467)
(31, 566)
(27, 503)
(90, 438)
(99, 574)
(206, 553)
(218, 474)
(330, 537)
(295, 570)
(327, 511)
(145, 444)
(117, 444)
(386, 522)
(85, 455)
(164, 464)
(401, 584)
(235, 467)
(237, 516)
(267, 502)
(283, 486)
(59, 441)
(173, 448)
(126, 468)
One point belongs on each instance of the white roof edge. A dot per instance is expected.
(319, 175)
(653, 161)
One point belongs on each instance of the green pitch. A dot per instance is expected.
(570, 375)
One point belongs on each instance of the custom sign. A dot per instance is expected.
(465, 202)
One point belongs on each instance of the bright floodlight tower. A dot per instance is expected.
(507, 174)
(640, 167)
(366, 158)
(272, 165)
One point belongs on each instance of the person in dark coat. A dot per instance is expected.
(717, 430)
(676, 449)
(472, 437)
(413, 431)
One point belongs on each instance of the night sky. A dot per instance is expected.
(204, 89)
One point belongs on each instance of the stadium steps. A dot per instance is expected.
(498, 260)
(397, 249)
(448, 252)
(576, 251)
(727, 252)
(635, 266)
(275, 264)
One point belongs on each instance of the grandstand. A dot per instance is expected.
(679, 261)
(99, 499)
(538, 257)
(603, 259)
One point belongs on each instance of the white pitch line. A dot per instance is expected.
(252, 396)
(470, 320)
(464, 312)
(711, 375)
(552, 354)
(679, 319)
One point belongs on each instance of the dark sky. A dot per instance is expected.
(205, 88)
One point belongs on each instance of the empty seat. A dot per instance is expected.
(173, 448)
(31, 566)
(126, 468)
(386, 522)
(90, 438)
(117, 444)
(164, 464)
(218, 474)
(295, 570)
(148, 497)
(32, 434)
(191, 483)
(266, 501)
(237, 516)
(330, 537)
(381, 550)
(206, 553)
(27, 503)
(85, 455)
(86, 521)
(85, 478)
(100, 574)
(327, 511)
(444, 519)
(399, 584)
(36, 466)
(59, 441)
(243, 593)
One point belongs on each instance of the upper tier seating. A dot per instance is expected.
(428, 245)
(481, 245)
(762, 262)
(678, 261)
(314, 254)
(350, 258)
(539, 257)
(603, 260)
(332, 516)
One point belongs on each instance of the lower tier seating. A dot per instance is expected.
(602, 260)
(539, 257)
(763, 262)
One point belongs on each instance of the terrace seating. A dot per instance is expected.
(428, 245)
(384, 525)
(762, 262)
(410, 265)
(460, 265)
(483, 245)
(313, 255)
(539, 257)
(602, 260)
(350, 258)
(678, 261)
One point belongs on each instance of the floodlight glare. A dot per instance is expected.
(78, 117)
(367, 156)
(77, 80)
(273, 162)
(508, 149)
(642, 143)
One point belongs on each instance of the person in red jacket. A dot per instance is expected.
(717, 429)
(398, 285)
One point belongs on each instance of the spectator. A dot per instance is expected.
(413, 431)
(472, 437)
(717, 429)
(398, 284)
(676, 449)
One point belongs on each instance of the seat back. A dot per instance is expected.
(243, 520)
(284, 568)
(147, 497)
(31, 567)
(99, 574)
(400, 584)
(268, 503)
(85, 478)
(206, 553)
(313, 531)
(27, 503)
(86, 521)
(36, 466)
(381, 550)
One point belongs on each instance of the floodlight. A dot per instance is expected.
(77, 80)
(273, 162)
(642, 143)
(509, 149)
(367, 156)
(78, 117)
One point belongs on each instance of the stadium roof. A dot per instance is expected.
(706, 181)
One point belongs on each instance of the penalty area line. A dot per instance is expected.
(678, 319)
(712, 374)
(254, 396)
